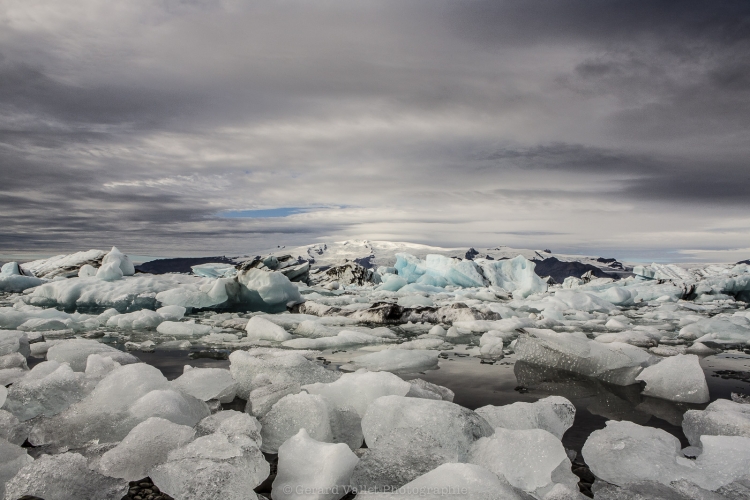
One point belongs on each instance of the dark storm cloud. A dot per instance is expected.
(142, 122)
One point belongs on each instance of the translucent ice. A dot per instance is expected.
(398, 361)
(276, 366)
(48, 389)
(554, 414)
(615, 362)
(360, 389)
(75, 352)
(14, 341)
(213, 467)
(624, 452)
(515, 275)
(259, 328)
(312, 412)
(64, 477)
(454, 427)
(172, 405)
(214, 270)
(721, 418)
(12, 459)
(677, 378)
(532, 460)
(207, 383)
(311, 469)
(146, 446)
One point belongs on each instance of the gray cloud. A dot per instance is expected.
(575, 125)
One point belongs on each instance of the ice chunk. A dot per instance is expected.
(64, 477)
(123, 261)
(399, 458)
(142, 320)
(554, 414)
(466, 481)
(343, 338)
(717, 330)
(172, 405)
(64, 266)
(259, 328)
(533, 460)
(398, 361)
(15, 360)
(721, 418)
(103, 414)
(678, 378)
(392, 283)
(260, 400)
(624, 452)
(48, 389)
(12, 459)
(98, 366)
(146, 446)
(213, 467)
(42, 325)
(360, 389)
(455, 428)
(515, 275)
(109, 272)
(268, 291)
(14, 341)
(214, 270)
(10, 269)
(311, 469)
(314, 413)
(231, 423)
(207, 383)
(200, 295)
(616, 363)
(582, 301)
(183, 329)
(11, 429)
(277, 366)
(3, 395)
(87, 271)
(75, 352)
(426, 390)
(172, 313)
(15, 284)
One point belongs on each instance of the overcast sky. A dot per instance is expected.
(617, 128)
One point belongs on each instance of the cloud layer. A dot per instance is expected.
(597, 127)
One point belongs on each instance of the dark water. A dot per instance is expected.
(478, 384)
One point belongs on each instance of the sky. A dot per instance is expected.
(190, 127)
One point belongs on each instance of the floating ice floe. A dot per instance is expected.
(624, 453)
(616, 363)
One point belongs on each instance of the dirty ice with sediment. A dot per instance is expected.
(377, 369)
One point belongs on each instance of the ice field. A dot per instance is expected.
(377, 370)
